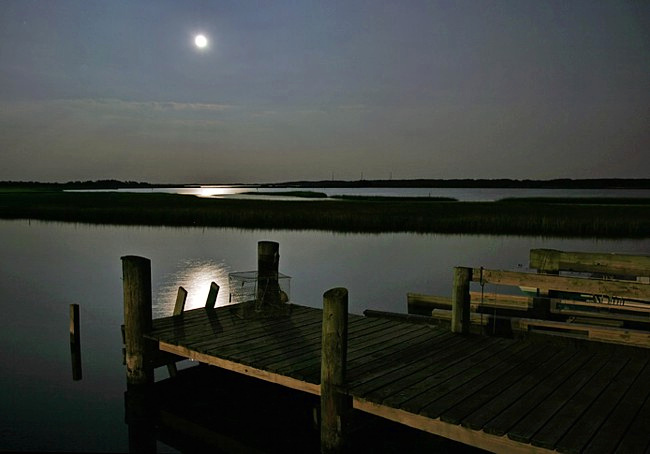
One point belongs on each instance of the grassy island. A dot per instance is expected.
(629, 218)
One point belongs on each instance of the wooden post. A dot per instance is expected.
(460, 300)
(335, 403)
(136, 273)
(75, 342)
(268, 260)
(181, 297)
(212, 295)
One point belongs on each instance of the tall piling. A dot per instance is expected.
(136, 273)
(460, 300)
(335, 404)
(268, 262)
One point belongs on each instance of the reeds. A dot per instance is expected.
(398, 215)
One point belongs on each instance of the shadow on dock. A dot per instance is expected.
(207, 409)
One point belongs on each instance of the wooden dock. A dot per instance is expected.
(501, 395)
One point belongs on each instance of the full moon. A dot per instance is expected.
(200, 41)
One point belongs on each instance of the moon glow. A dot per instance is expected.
(201, 41)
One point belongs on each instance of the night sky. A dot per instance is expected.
(289, 90)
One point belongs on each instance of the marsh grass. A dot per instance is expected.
(399, 215)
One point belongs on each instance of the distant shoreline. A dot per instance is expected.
(548, 217)
(558, 183)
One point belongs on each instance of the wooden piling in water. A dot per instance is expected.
(75, 342)
(335, 403)
(268, 262)
(136, 273)
(460, 300)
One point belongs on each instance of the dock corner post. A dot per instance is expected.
(136, 272)
(268, 263)
(460, 300)
(335, 403)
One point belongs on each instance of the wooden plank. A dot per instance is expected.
(593, 421)
(615, 335)
(289, 382)
(572, 408)
(590, 262)
(536, 416)
(362, 380)
(363, 369)
(424, 379)
(430, 389)
(437, 427)
(496, 377)
(622, 416)
(394, 381)
(612, 288)
(498, 394)
(487, 299)
(503, 421)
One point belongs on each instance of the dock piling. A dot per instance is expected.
(335, 403)
(268, 263)
(460, 306)
(136, 273)
(75, 342)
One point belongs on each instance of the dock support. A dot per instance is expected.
(460, 300)
(335, 403)
(75, 342)
(136, 273)
(268, 262)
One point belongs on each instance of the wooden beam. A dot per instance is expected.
(289, 382)
(614, 288)
(212, 295)
(491, 300)
(181, 297)
(454, 432)
(547, 260)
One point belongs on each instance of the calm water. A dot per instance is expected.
(46, 266)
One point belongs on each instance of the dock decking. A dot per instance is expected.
(493, 393)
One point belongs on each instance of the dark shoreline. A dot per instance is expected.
(570, 218)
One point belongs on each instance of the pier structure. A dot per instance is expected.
(531, 394)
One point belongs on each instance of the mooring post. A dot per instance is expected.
(75, 342)
(460, 300)
(334, 402)
(136, 273)
(268, 262)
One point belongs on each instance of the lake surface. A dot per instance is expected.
(44, 267)
(462, 194)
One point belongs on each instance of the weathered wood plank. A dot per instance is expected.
(394, 381)
(481, 414)
(589, 262)
(612, 288)
(503, 421)
(436, 396)
(424, 380)
(572, 408)
(591, 421)
(234, 366)
(622, 416)
(435, 404)
(538, 416)
(496, 389)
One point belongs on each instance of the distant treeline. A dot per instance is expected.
(559, 183)
(97, 184)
